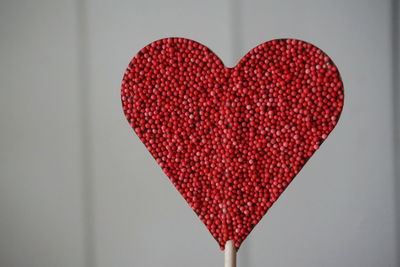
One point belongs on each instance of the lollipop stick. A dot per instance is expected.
(230, 254)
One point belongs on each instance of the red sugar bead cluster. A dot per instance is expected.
(231, 139)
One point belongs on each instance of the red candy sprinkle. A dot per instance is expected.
(231, 139)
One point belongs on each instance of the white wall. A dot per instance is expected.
(77, 188)
(40, 164)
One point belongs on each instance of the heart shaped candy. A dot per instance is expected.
(231, 139)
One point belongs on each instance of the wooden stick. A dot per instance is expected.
(230, 254)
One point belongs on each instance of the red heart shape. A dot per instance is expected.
(231, 139)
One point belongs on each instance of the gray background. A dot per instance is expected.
(77, 188)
